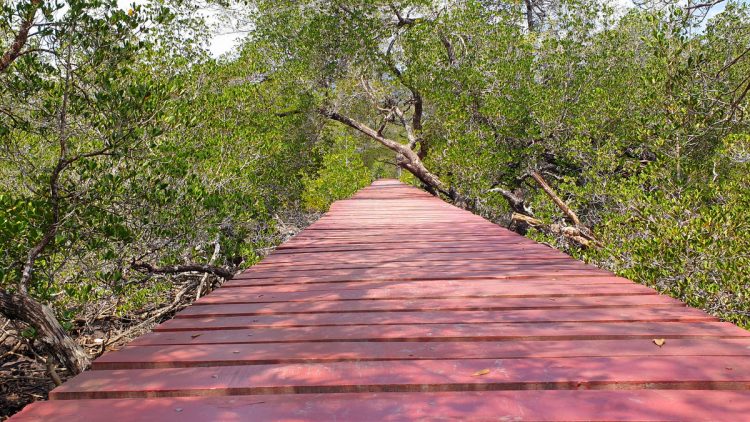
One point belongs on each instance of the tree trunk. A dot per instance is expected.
(408, 159)
(21, 307)
(530, 15)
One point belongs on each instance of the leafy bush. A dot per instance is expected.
(341, 174)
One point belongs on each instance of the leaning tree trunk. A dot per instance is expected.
(21, 307)
(408, 159)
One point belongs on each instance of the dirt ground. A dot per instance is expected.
(23, 379)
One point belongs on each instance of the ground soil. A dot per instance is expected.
(23, 379)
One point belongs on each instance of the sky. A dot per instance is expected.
(226, 42)
(220, 43)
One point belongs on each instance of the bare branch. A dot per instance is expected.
(179, 269)
(571, 233)
(416, 97)
(410, 134)
(733, 62)
(19, 306)
(402, 21)
(516, 203)
(361, 127)
(556, 199)
(448, 49)
(708, 4)
(407, 158)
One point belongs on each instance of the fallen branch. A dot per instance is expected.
(556, 199)
(202, 285)
(516, 203)
(179, 269)
(575, 234)
(52, 372)
(18, 306)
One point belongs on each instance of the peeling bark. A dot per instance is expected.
(22, 36)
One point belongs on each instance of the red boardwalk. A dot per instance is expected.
(398, 306)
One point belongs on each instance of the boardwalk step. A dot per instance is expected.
(550, 406)
(160, 356)
(608, 373)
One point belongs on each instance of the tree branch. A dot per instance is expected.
(410, 161)
(14, 51)
(410, 134)
(448, 49)
(402, 21)
(416, 97)
(702, 5)
(556, 199)
(20, 306)
(516, 203)
(572, 233)
(179, 269)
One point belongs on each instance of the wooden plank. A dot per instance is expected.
(664, 372)
(540, 406)
(540, 283)
(395, 273)
(417, 265)
(451, 332)
(243, 282)
(137, 357)
(664, 314)
(406, 249)
(401, 305)
(493, 242)
(323, 258)
(495, 290)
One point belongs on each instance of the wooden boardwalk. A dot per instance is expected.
(398, 306)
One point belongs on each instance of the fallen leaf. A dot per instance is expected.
(178, 409)
(480, 373)
(195, 335)
(659, 341)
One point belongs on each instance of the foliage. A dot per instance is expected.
(635, 119)
(341, 174)
(122, 141)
